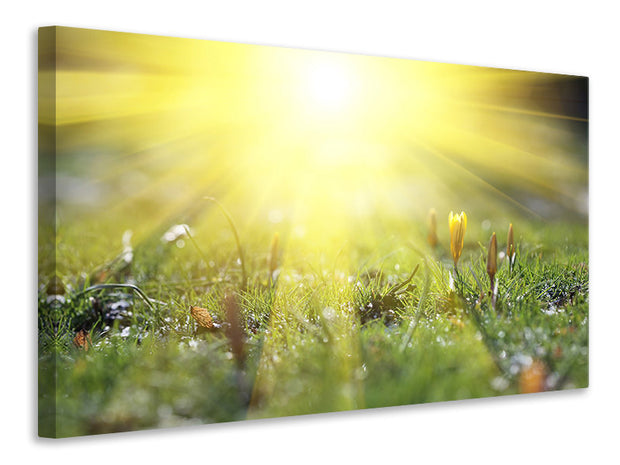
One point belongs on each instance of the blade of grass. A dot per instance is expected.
(236, 234)
(413, 324)
(133, 287)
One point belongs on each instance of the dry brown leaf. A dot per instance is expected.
(82, 340)
(532, 379)
(202, 317)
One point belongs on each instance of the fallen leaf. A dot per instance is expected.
(202, 317)
(532, 378)
(82, 340)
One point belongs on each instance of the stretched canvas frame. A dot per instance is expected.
(232, 231)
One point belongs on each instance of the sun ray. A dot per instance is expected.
(473, 177)
(520, 111)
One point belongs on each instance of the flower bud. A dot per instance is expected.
(432, 228)
(492, 259)
(510, 248)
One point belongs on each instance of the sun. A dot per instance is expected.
(330, 85)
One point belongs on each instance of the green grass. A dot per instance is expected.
(334, 332)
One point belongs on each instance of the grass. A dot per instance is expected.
(359, 325)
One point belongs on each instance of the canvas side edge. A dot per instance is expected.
(46, 197)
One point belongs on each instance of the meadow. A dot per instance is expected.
(307, 332)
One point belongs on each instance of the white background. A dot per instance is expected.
(562, 37)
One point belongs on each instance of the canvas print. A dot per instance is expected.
(231, 231)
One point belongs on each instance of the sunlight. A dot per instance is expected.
(327, 138)
(330, 85)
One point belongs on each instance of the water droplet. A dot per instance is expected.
(499, 383)
(175, 232)
(329, 313)
(275, 216)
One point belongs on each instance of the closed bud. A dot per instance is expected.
(510, 248)
(492, 259)
(432, 228)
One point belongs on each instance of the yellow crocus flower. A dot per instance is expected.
(458, 225)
